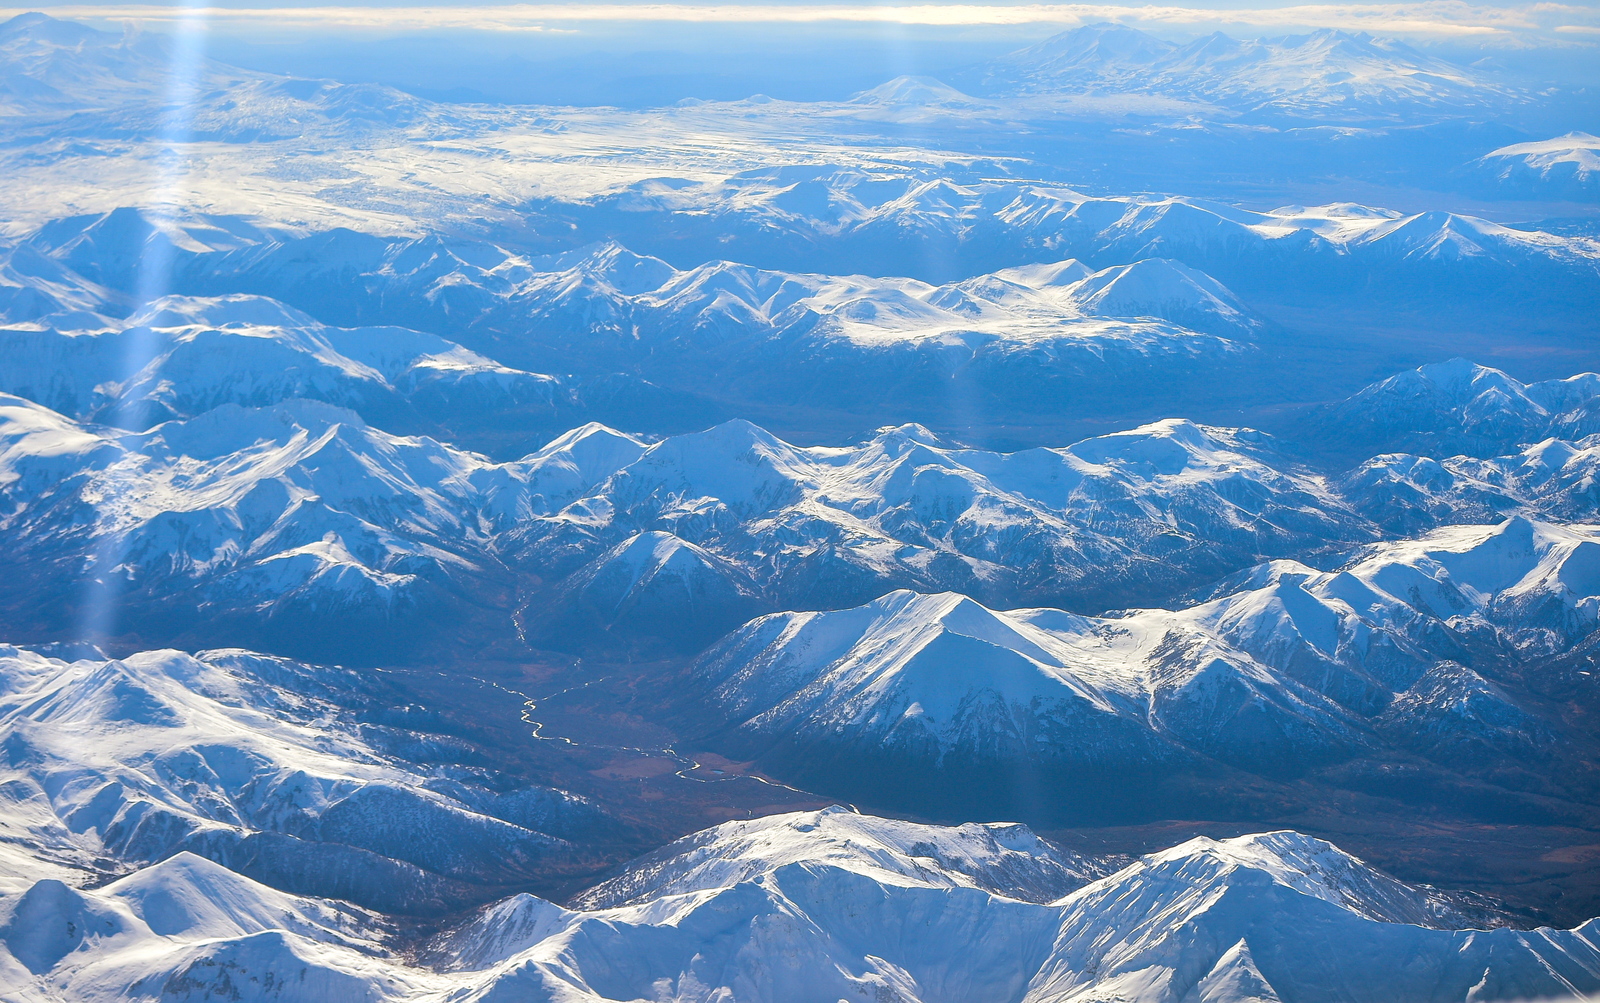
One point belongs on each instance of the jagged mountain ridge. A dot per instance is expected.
(1554, 478)
(301, 513)
(1460, 407)
(291, 522)
(870, 220)
(817, 525)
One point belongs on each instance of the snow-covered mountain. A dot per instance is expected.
(180, 356)
(1564, 167)
(1461, 407)
(288, 773)
(138, 83)
(1553, 479)
(793, 919)
(604, 308)
(1286, 665)
(1207, 890)
(186, 928)
(1326, 75)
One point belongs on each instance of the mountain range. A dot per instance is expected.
(1322, 76)
(282, 521)
(989, 539)
(300, 513)
(603, 308)
(1227, 920)
(100, 750)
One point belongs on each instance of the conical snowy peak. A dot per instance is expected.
(1157, 287)
(499, 932)
(1234, 979)
(941, 680)
(588, 454)
(1060, 273)
(913, 91)
(194, 898)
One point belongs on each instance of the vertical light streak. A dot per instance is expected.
(171, 153)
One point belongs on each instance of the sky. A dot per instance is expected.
(645, 54)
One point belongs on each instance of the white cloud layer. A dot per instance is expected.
(1435, 18)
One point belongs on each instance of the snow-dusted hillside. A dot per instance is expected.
(1286, 665)
(179, 356)
(1566, 166)
(792, 920)
(279, 770)
(1325, 75)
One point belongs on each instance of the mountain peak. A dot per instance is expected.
(219, 311)
(914, 91)
(1307, 865)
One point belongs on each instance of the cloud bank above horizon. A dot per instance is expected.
(1541, 23)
